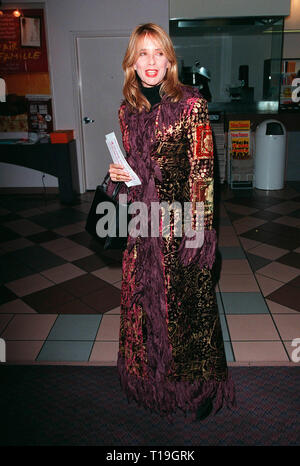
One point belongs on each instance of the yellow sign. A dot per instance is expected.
(239, 139)
(239, 125)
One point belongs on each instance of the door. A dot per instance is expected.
(100, 87)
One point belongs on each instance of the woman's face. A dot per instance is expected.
(151, 64)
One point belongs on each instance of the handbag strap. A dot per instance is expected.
(117, 188)
(106, 178)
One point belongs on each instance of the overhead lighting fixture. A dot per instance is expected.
(267, 105)
(188, 24)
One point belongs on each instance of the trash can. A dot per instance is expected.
(270, 144)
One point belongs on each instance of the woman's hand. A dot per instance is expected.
(117, 173)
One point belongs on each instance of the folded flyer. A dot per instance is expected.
(119, 158)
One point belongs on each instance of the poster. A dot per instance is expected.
(22, 42)
(40, 115)
(239, 139)
(30, 29)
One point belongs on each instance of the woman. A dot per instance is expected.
(171, 353)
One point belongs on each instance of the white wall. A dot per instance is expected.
(291, 47)
(291, 41)
(293, 20)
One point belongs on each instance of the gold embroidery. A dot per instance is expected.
(194, 329)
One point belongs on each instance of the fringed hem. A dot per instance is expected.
(205, 255)
(166, 397)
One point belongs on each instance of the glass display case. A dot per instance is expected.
(235, 62)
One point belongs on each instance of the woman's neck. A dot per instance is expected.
(151, 93)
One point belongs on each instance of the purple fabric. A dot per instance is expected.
(142, 143)
(169, 396)
(149, 274)
(204, 255)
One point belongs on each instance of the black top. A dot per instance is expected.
(151, 93)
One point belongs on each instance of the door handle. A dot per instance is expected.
(88, 120)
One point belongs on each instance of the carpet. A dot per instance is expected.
(76, 405)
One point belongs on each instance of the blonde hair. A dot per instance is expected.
(171, 86)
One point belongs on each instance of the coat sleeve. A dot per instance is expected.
(124, 128)
(201, 183)
(124, 131)
(201, 156)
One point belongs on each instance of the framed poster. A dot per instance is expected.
(30, 31)
(39, 115)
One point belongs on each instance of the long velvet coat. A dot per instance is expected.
(171, 352)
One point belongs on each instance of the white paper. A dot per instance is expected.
(118, 157)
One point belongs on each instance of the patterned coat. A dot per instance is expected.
(171, 351)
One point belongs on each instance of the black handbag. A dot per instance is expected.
(109, 241)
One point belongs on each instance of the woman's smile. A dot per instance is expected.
(151, 73)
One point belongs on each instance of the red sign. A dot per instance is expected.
(23, 42)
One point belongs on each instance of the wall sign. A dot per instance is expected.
(239, 139)
(23, 42)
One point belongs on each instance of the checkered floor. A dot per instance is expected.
(60, 293)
